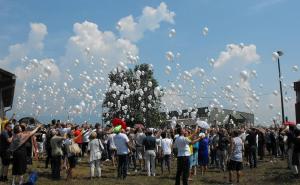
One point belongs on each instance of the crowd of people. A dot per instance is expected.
(139, 149)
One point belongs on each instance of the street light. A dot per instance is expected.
(280, 53)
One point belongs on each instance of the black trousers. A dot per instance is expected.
(55, 167)
(48, 158)
(183, 169)
(84, 148)
(252, 156)
(213, 156)
(122, 166)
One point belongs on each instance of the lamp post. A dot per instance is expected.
(280, 53)
(297, 105)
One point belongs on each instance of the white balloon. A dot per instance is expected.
(168, 70)
(254, 73)
(241, 45)
(172, 33)
(76, 62)
(244, 75)
(275, 56)
(87, 50)
(212, 62)
(295, 68)
(271, 106)
(205, 31)
(170, 56)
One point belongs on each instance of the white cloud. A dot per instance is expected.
(149, 20)
(55, 86)
(34, 44)
(246, 54)
(88, 40)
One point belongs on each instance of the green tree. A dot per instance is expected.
(134, 95)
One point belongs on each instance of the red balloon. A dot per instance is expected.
(118, 121)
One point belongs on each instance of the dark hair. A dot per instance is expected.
(97, 125)
(236, 133)
(23, 127)
(296, 132)
(17, 129)
(178, 130)
(148, 133)
(163, 135)
(53, 122)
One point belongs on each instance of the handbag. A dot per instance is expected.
(74, 148)
(101, 149)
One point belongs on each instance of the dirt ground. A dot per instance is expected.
(267, 173)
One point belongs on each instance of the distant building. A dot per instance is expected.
(215, 117)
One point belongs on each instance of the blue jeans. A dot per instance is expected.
(183, 169)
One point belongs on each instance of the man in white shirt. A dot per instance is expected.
(122, 145)
(166, 148)
(183, 157)
(85, 138)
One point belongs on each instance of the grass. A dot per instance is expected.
(266, 174)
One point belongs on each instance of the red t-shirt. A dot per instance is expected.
(78, 140)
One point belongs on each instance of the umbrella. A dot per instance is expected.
(290, 123)
(29, 121)
(139, 125)
(203, 124)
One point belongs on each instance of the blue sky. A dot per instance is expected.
(269, 25)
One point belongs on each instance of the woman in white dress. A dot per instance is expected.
(95, 149)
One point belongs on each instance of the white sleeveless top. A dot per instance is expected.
(237, 151)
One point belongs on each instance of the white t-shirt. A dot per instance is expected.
(86, 136)
(63, 131)
(166, 145)
(120, 141)
(111, 141)
(182, 144)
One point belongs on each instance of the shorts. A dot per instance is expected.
(139, 153)
(166, 160)
(235, 165)
(5, 158)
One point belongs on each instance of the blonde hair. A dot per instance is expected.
(93, 135)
